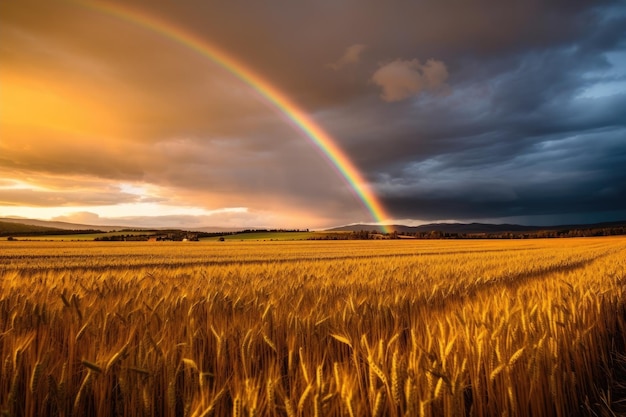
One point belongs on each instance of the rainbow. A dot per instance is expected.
(273, 96)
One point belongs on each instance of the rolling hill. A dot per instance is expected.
(60, 225)
(11, 228)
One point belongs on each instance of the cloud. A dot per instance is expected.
(67, 197)
(401, 79)
(234, 218)
(80, 217)
(352, 55)
(94, 102)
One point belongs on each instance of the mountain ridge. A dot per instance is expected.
(471, 228)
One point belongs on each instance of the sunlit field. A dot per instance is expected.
(347, 328)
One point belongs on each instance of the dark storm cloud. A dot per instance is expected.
(521, 134)
(563, 176)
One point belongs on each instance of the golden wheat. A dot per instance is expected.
(476, 328)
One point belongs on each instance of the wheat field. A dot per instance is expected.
(349, 328)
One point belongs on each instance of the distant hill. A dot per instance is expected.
(24, 227)
(61, 225)
(473, 228)
(10, 228)
(214, 229)
(76, 226)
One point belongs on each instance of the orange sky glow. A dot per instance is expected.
(135, 128)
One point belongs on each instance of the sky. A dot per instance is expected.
(450, 110)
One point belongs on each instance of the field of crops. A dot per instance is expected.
(347, 328)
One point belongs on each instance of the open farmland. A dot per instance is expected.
(347, 328)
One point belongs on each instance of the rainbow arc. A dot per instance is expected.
(277, 99)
